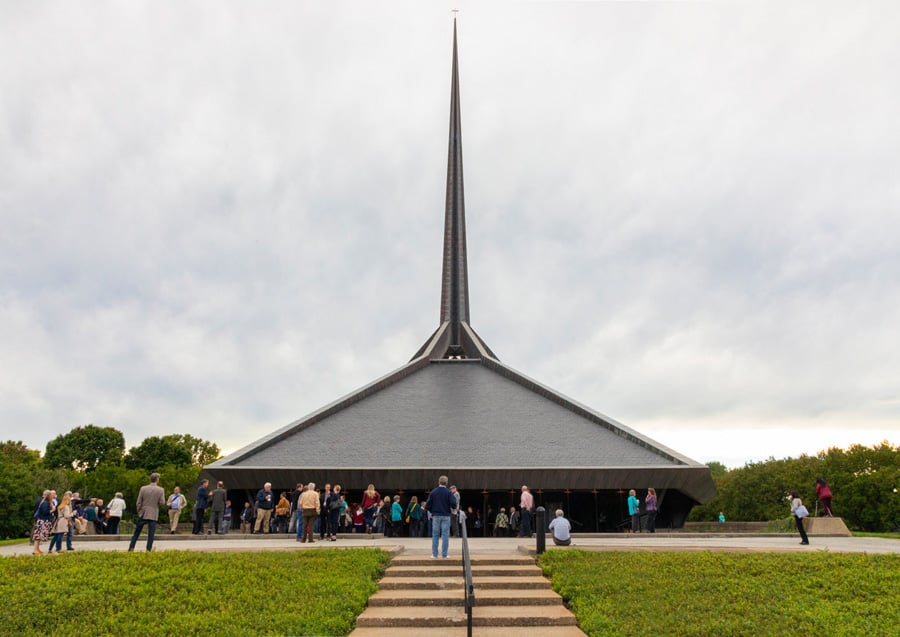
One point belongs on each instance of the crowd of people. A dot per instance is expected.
(309, 511)
(60, 518)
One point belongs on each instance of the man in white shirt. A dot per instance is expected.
(561, 529)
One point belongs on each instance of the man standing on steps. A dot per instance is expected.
(440, 504)
(150, 498)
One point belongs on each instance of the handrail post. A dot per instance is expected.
(540, 534)
(467, 578)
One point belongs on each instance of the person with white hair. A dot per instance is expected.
(561, 529)
(116, 508)
(265, 502)
(310, 507)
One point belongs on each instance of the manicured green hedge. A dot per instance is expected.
(317, 592)
(808, 593)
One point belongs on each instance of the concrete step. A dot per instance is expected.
(411, 617)
(444, 616)
(517, 597)
(510, 560)
(388, 582)
(456, 597)
(485, 631)
(511, 583)
(418, 597)
(443, 570)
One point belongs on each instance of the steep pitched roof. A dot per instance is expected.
(456, 407)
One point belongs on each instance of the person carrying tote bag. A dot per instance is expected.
(799, 512)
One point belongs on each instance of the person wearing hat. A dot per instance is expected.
(454, 512)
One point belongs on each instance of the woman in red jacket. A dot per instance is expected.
(370, 501)
(824, 495)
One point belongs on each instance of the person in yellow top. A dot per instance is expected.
(309, 509)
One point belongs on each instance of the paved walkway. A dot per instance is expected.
(480, 546)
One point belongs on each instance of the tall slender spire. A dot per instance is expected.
(455, 287)
(454, 338)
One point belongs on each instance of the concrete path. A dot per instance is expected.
(603, 542)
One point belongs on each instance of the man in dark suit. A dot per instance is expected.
(200, 506)
(150, 498)
(217, 509)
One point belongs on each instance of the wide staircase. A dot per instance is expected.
(422, 596)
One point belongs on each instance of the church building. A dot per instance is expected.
(456, 409)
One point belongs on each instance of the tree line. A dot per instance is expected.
(865, 482)
(93, 461)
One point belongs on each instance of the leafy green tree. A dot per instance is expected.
(862, 479)
(202, 451)
(17, 466)
(22, 480)
(157, 451)
(84, 448)
(180, 450)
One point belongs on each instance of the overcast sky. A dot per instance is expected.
(218, 217)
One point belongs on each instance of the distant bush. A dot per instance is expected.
(808, 593)
(185, 593)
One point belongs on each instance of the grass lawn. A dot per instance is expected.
(889, 536)
(14, 541)
(188, 592)
(814, 593)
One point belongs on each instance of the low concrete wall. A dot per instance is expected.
(834, 527)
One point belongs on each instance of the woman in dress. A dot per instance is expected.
(61, 525)
(799, 512)
(43, 521)
(370, 501)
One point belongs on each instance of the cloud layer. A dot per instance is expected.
(683, 216)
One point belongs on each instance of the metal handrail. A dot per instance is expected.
(467, 575)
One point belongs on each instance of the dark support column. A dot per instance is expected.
(540, 532)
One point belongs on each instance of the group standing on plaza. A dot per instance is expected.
(310, 512)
